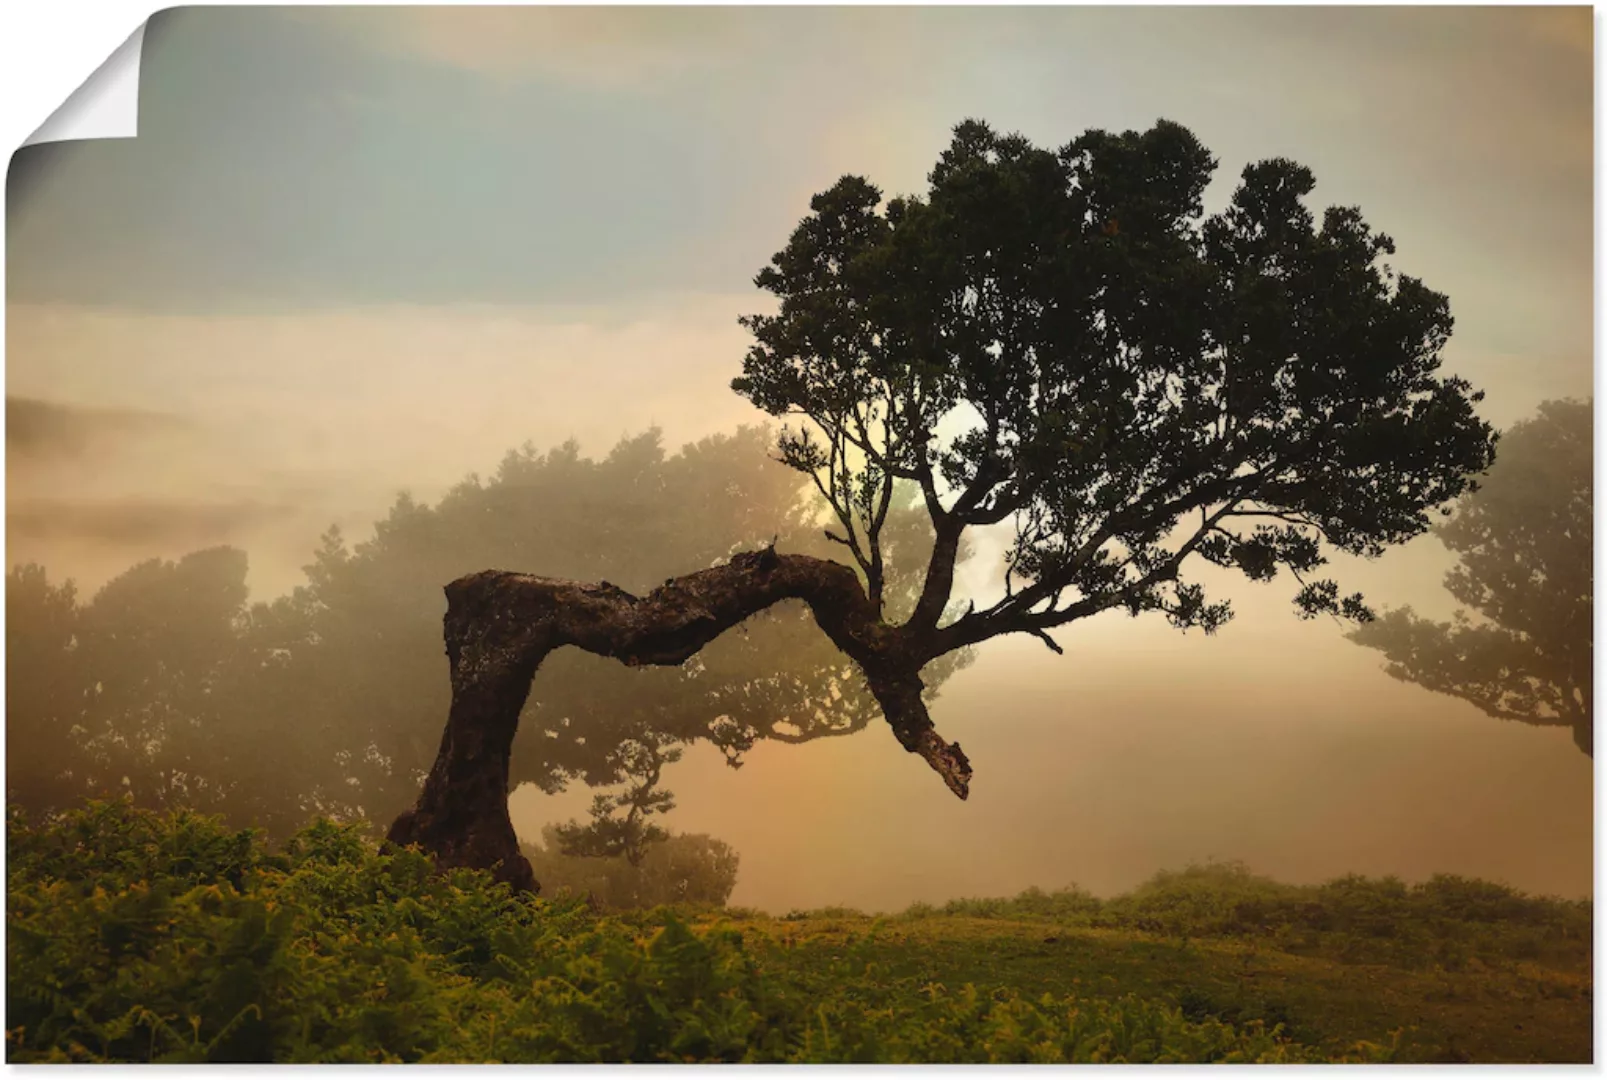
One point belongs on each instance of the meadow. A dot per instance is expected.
(137, 936)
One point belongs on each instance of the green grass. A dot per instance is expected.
(139, 937)
(1507, 1012)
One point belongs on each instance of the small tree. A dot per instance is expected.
(1059, 339)
(1524, 546)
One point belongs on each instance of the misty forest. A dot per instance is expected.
(278, 830)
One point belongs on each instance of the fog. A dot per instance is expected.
(354, 253)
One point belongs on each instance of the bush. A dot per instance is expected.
(685, 868)
(1211, 899)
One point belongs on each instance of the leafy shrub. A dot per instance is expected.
(684, 868)
(1471, 900)
(1200, 901)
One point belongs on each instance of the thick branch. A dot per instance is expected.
(948, 529)
(499, 627)
(939, 584)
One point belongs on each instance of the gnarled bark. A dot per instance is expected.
(499, 627)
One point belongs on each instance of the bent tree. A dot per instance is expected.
(1061, 341)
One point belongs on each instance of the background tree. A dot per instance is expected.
(1059, 339)
(45, 756)
(1523, 542)
(121, 695)
(151, 649)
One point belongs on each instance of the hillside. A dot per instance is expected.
(138, 937)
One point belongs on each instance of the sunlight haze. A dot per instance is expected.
(355, 252)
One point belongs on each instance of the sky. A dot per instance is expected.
(355, 251)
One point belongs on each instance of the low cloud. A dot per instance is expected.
(37, 429)
(135, 521)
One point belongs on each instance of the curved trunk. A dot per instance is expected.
(499, 627)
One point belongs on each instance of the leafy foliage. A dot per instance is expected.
(1129, 381)
(133, 936)
(1522, 648)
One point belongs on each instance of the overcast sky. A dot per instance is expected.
(357, 250)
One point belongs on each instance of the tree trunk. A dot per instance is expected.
(499, 627)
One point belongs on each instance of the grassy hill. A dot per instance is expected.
(138, 937)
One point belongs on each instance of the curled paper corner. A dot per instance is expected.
(106, 106)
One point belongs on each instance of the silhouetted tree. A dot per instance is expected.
(1523, 540)
(1058, 339)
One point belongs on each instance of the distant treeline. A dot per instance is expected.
(1443, 922)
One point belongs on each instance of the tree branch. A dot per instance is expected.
(500, 626)
(1015, 615)
(939, 584)
(948, 530)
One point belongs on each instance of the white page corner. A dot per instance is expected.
(105, 106)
